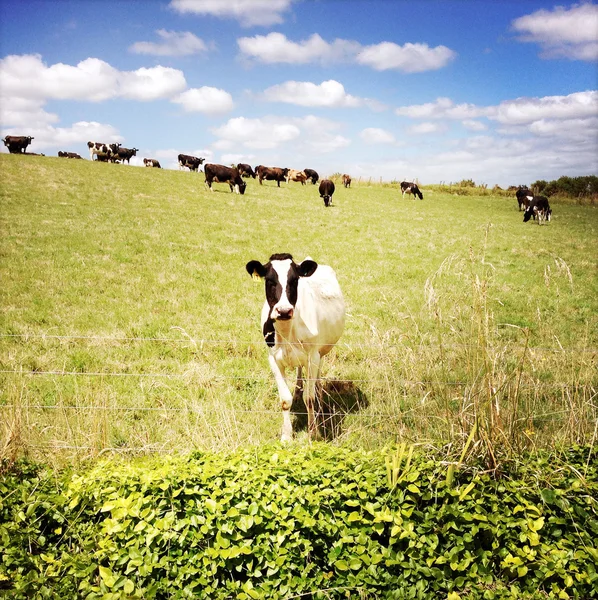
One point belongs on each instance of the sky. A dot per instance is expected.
(502, 92)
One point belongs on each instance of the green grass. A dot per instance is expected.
(135, 279)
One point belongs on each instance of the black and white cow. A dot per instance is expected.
(246, 170)
(302, 319)
(122, 154)
(407, 187)
(222, 174)
(326, 190)
(311, 174)
(524, 197)
(539, 208)
(152, 162)
(17, 144)
(101, 148)
(192, 163)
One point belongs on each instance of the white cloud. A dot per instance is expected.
(374, 135)
(174, 43)
(247, 12)
(277, 48)
(409, 58)
(255, 133)
(474, 125)
(442, 108)
(92, 79)
(207, 100)
(570, 33)
(426, 127)
(328, 94)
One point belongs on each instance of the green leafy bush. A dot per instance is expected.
(286, 522)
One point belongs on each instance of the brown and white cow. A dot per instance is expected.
(96, 148)
(346, 180)
(294, 175)
(302, 319)
(192, 163)
(68, 154)
(17, 144)
(222, 174)
(271, 174)
(151, 162)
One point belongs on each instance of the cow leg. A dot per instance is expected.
(313, 374)
(286, 398)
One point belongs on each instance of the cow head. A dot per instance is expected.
(529, 213)
(242, 187)
(281, 275)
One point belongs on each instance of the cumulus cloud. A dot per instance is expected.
(474, 125)
(409, 58)
(442, 108)
(277, 48)
(426, 127)
(329, 94)
(247, 12)
(255, 133)
(569, 33)
(94, 80)
(374, 135)
(174, 43)
(206, 99)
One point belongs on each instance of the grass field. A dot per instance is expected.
(129, 322)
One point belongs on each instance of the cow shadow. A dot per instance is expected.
(335, 400)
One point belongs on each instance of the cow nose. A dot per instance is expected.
(284, 314)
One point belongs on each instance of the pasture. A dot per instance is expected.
(129, 323)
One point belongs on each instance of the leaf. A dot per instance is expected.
(341, 565)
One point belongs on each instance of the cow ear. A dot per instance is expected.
(307, 268)
(256, 269)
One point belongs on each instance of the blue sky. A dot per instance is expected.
(498, 91)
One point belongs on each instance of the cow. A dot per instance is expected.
(17, 144)
(326, 190)
(151, 162)
(312, 175)
(346, 180)
(408, 187)
(294, 175)
(524, 197)
(222, 174)
(68, 154)
(302, 319)
(538, 207)
(272, 174)
(123, 154)
(191, 162)
(246, 170)
(103, 156)
(100, 148)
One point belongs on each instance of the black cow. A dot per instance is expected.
(123, 154)
(151, 162)
(222, 174)
(407, 187)
(538, 207)
(311, 174)
(17, 144)
(191, 162)
(326, 190)
(272, 174)
(68, 154)
(524, 197)
(246, 170)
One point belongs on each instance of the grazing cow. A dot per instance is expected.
(311, 174)
(346, 180)
(303, 317)
(294, 175)
(407, 187)
(68, 154)
(123, 154)
(246, 170)
(100, 148)
(151, 162)
(222, 174)
(524, 197)
(191, 162)
(538, 207)
(271, 173)
(326, 190)
(17, 144)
